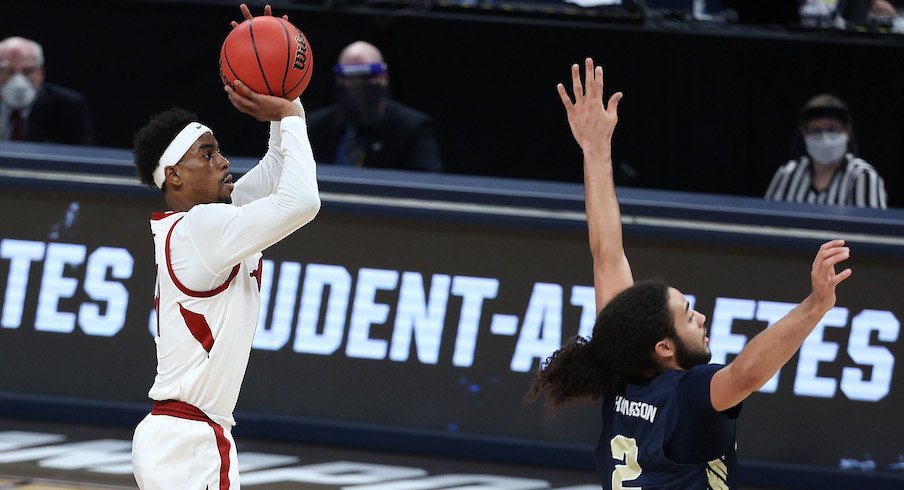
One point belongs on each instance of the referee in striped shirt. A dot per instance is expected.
(829, 173)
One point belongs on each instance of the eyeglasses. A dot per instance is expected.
(817, 130)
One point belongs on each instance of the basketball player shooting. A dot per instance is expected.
(207, 248)
(668, 416)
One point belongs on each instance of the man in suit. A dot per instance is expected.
(366, 128)
(33, 110)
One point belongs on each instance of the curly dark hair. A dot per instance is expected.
(151, 141)
(620, 350)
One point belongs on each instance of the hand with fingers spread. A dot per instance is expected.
(823, 277)
(591, 123)
(259, 106)
(246, 13)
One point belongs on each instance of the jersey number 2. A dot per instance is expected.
(624, 449)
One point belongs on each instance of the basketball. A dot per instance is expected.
(269, 55)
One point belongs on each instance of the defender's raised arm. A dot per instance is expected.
(592, 125)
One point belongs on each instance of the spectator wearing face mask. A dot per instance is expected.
(32, 109)
(829, 172)
(366, 128)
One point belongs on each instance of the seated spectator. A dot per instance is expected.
(857, 12)
(829, 172)
(882, 7)
(366, 128)
(32, 109)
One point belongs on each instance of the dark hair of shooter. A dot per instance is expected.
(151, 141)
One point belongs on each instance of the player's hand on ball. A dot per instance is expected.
(260, 106)
(269, 54)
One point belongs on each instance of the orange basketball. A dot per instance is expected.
(269, 55)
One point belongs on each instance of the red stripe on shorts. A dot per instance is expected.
(223, 447)
(182, 410)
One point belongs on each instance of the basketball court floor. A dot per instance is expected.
(38, 455)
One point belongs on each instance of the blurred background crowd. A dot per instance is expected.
(793, 100)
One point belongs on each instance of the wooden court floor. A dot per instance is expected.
(38, 455)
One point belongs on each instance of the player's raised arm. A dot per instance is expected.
(766, 353)
(592, 125)
(255, 226)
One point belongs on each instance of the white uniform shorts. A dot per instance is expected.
(177, 447)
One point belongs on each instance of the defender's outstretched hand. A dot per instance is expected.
(823, 277)
(591, 123)
(768, 351)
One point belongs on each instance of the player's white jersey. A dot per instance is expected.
(204, 334)
(209, 268)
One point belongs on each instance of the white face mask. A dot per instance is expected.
(827, 148)
(18, 92)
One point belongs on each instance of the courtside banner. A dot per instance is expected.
(421, 321)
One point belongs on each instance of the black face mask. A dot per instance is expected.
(362, 104)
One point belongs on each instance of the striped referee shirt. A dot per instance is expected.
(856, 183)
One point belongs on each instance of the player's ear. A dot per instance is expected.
(173, 179)
(665, 349)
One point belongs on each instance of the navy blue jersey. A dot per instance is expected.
(666, 434)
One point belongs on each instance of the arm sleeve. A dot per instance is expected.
(225, 234)
(261, 180)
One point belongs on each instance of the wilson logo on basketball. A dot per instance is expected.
(301, 52)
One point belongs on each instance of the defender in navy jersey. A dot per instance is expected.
(668, 417)
(671, 425)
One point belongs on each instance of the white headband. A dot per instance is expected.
(177, 148)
